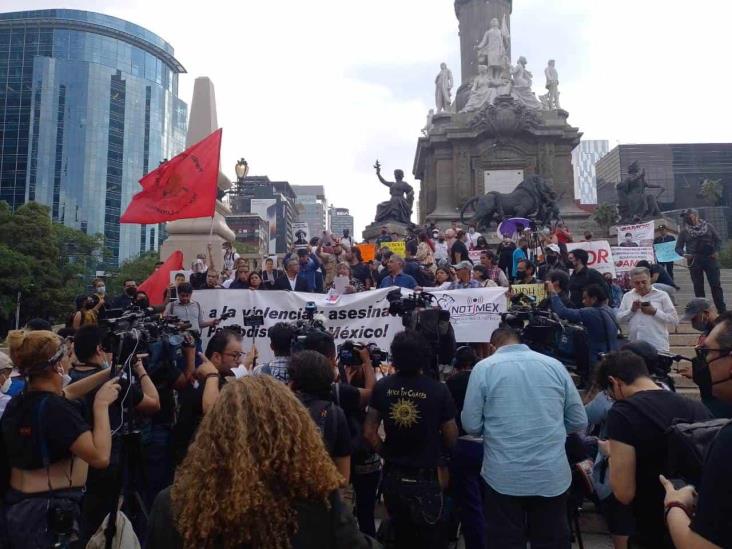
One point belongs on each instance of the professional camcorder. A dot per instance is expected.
(302, 328)
(349, 354)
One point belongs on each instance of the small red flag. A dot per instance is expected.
(155, 285)
(182, 188)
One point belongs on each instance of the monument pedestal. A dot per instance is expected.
(494, 149)
(373, 231)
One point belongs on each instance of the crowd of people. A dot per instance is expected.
(299, 451)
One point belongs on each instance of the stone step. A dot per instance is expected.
(684, 339)
(683, 350)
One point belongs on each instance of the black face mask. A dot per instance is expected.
(521, 274)
(702, 376)
(131, 291)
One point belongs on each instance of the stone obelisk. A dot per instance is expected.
(474, 17)
(192, 236)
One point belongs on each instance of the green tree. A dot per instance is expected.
(59, 261)
(606, 215)
(138, 268)
(712, 190)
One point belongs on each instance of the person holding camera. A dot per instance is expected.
(699, 243)
(47, 444)
(636, 442)
(187, 310)
(280, 341)
(418, 414)
(703, 519)
(103, 486)
(649, 311)
(311, 377)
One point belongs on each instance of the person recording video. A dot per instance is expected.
(48, 446)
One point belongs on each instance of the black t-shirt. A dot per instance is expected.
(361, 272)
(115, 409)
(458, 386)
(331, 422)
(413, 409)
(637, 422)
(459, 248)
(164, 377)
(578, 281)
(713, 519)
(63, 422)
(663, 276)
(198, 280)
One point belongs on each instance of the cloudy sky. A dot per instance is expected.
(313, 92)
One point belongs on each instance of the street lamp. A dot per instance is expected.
(241, 169)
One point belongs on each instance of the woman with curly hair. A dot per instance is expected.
(257, 475)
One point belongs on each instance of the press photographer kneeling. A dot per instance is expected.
(48, 445)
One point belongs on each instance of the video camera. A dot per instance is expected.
(349, 354)
(303, 328)
(545, 333)
(403, 306)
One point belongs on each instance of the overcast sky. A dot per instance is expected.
(314, 91)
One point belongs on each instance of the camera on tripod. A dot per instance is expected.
(302, 328)
(349, 354)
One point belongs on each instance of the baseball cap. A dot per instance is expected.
(463, 265)
(694, 307)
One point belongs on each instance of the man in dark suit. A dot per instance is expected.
(289, 280)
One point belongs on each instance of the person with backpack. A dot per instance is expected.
(636, 442)
(311, 377)
(706, 521)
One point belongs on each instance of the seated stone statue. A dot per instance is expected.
(399, 207)
(634, 205)
(522, 82)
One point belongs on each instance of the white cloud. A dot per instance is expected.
(294, 97)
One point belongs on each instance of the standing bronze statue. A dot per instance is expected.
(634, 205)
(399, 207)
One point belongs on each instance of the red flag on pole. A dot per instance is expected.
(181, 188)
(154, 285)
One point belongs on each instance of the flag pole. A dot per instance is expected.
(210, 233)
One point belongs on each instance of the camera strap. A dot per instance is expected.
(45, 456)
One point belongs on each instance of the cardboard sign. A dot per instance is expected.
(666, 252)
(537, 291)
(368, 251)
(601, 255)
(398, 248)
(626, 259)
(640, 233)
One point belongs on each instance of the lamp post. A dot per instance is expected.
(241, 169)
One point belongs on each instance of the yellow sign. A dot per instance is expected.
(538, 291)
(396, 247)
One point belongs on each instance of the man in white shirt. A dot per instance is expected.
(473, 237)
(648, 311)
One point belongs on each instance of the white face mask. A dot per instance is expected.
(101, 290)
(240, 371)
(6, 386)
(66, 378)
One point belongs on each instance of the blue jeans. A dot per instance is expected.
(467, 459)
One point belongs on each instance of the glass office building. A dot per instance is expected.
(88, 105)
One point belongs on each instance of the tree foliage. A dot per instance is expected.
(49, 263)
(138, 269)
(606, 215)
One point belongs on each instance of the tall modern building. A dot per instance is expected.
(312, 207)
(340, 219)
(88, 105)
(584, 158)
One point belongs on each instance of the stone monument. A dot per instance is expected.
(443, 89)
(634, 204)
(499, 134)
(192, 236)
(396, 213)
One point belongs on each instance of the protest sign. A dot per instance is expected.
(640, 233)
(601, 256)
(666, 252)
(396, 247)
(300, 234)
(184, 272)
(627, 259)
(474, 256)
(362, 317)
(368, 251)
(537, 291)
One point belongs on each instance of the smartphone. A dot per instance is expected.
(174, 294)
(645, 303)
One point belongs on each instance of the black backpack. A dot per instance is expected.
(689, 445)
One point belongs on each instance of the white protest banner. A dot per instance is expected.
(601, 255)
(627, 259)
(640, 233)
(362, 317)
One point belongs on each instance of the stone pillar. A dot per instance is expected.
(191, 236)
(474, 17)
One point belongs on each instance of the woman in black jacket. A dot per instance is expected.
(256, 476)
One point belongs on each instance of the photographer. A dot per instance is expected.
(102, 486)
(47, 443)
(597, 318)
(187, 310)
(705, 522)
(419, 421)
(311, 377)
(637, 448)
(699, 243)
(223, 353)
(126, 299)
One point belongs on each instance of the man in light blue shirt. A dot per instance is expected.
(524, 404)
(396, 276)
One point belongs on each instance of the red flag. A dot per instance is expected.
(154, 285)
(182, 188)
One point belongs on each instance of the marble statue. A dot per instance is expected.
(551, 99)
(485, 89)
(522, 82)
(634, 205)
(493, 49)
(532, 198)
(443, 89)
(428, 124)
(399, 207)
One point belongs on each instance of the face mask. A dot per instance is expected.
(131, 291)
(101, 290)
(699, 325)
(239, 372)
(522, 273)
(66, 378)
(702, 376)
(6, 386)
